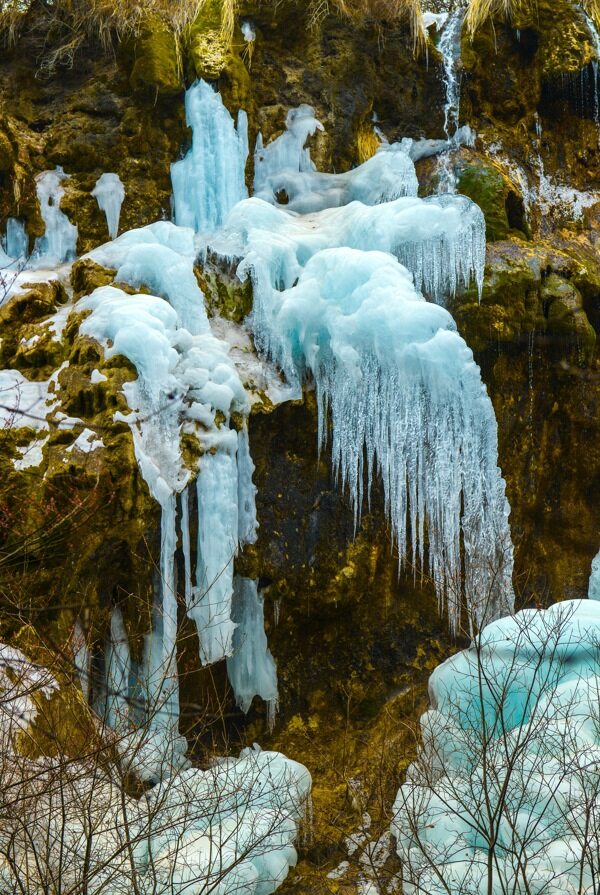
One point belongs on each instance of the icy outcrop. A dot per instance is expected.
(251, 669)
(505, 790)
(209, 181)
(109, 193)
(59, 242)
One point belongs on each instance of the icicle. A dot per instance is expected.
(252, 670)
(217, 488)
(109, 193)
(59, 242)
(118, 668)
(209, 181)
(82, 659)
(247, 522)
(185, 545)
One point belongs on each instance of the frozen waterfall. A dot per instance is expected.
(209, 181)
(404, 395)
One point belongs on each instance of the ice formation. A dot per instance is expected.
(251, 669)
(505, 792)
(109, 193)
(284, 170)
(209, 181)
(229, 828)
(59, 242)
(594, 584)
(406, 401)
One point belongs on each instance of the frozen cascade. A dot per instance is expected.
(210, 180)
(59, 242)
(251, 669)
(449, 47)
(109, 193)
(594, 585)
(504, 794)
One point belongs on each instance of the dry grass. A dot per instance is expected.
(63, 27)
(481, 10)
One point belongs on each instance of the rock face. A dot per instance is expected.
(354, 644)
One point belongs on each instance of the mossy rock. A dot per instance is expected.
(206, 44)
(157, 62)
(87, 275)
(566, 317)
(565, 43)
(225, 295)
(502, 206)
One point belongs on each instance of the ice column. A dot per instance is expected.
(251, 669)
(594, 585)
(209, 181)
(17, 242)
(109, 193)
(59, 242)
(118, 668)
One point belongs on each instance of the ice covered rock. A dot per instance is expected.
(594, 584)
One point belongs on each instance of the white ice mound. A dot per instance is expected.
(251, 669)
(59, 242)
(209, 181)
(406, 402)
(505, 791)
(109, 193)
(441, 240)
